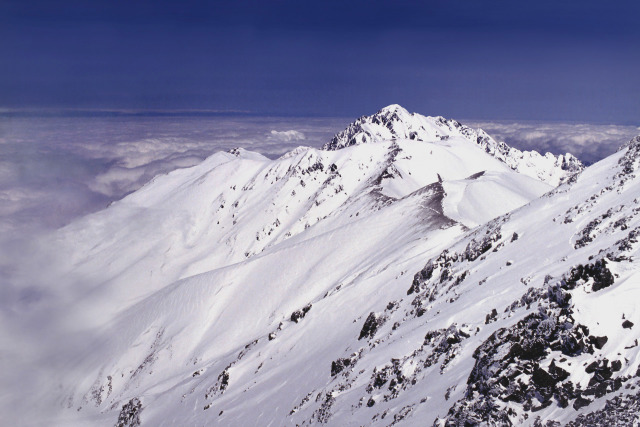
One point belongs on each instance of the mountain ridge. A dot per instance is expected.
(395, 122)
(392, 282)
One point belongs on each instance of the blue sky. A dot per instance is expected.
(543, 60)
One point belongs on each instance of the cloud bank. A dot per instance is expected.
(288, 135)
(53, 169)
(588, 142)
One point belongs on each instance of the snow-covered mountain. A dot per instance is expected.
(238, 204)
(399, 279)
(394, 122)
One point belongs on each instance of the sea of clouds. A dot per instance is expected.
(53, 169)
(588, 142)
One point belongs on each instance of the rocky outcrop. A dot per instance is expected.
(130, 414)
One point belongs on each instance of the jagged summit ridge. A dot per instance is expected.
(391, 122)
(395, 122)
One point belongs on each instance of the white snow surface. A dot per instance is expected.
(187, 286)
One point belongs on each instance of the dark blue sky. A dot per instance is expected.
(538, 60)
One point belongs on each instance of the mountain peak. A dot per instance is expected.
(390, 122)
(394, 122)
(393, 108)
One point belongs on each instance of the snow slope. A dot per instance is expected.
(236, 205)
(348, 286)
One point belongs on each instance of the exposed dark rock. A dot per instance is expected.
(338, 366)
(598, 342)
(519, 351)
(591, 368)
(475, 248)
(621, 410)
(629, 162)
(542, 378)
(598, 272)
(130, 414)
(323, 413)
(548, 423)
(223, 378)
(221, 384)
(627, 324)
(371, 325)
(477, 175)
(441, 263)
(581, 402)
(318, 166)
(557, 372)
(391, 374)
(587, 233)
(491, 317)
(627, 243)
(299, 314)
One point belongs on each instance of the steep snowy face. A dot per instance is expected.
(395, 122)
(528, 319)
(565, 350)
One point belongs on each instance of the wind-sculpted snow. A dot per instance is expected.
(394, 122)
(377, 284)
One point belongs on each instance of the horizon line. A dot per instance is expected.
(36, 112)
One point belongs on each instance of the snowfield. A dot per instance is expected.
(413, 271)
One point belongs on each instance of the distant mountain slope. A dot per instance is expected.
(236, 205)
(394, 122)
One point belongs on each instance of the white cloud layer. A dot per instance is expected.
(288, 135)
(54, 169)
(588, 142)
